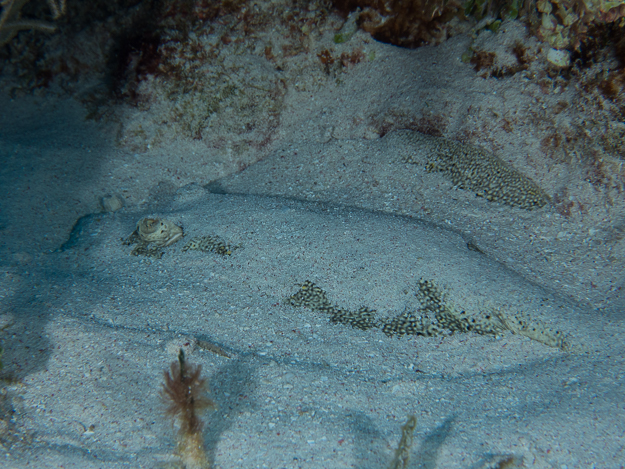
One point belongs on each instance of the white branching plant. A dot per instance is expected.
(11, 22)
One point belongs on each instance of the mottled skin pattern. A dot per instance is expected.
(210, 244)
(447, 319)
(408, 323)
(151, 235)
(473, 168)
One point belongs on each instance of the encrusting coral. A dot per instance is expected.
(406, 23)
(565, 23)
(185, 391)
(561, 23)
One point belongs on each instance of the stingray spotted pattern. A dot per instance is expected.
(439, 317)
(153, 234)
(210, 244)
(473, 168)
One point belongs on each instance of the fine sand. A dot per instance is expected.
(88, 328)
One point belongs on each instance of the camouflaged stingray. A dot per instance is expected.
(153, 234)
(212, 244)
(473, 168)
(437, 317)
(402, 247)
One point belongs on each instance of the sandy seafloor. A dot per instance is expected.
(89, 328)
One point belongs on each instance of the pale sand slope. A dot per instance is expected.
(327, 147)
(297, 390)
(333, 153)
(92, 328)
